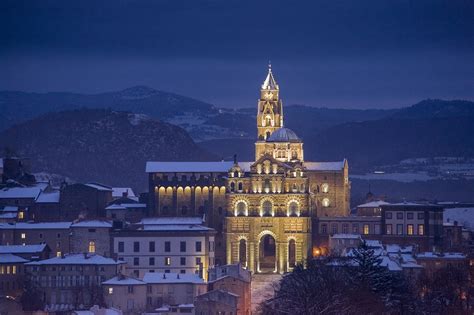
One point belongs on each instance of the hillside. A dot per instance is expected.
(100, 145)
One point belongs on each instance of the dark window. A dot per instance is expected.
(151, 247)
(409, 215)
(167, 246)
(334, 229)
(136, 247)
(399, 215)
(91, 230)
(183, 261)
(324, 229)
(399, 229)
(198, 246)
(182, 246)
(152, 261)
(388, 215)
(121, 247)
(198, 261)
(421, 215)
(136, 261)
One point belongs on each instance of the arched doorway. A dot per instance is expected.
(267, 254)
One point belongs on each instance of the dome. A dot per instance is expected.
(283, 135)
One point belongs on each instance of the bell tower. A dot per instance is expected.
(270, 108)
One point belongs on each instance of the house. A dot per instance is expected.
(11, 275)
(217, 302)
(28, 252)
(180, 245)
(91, 236)
(46, 208)
(71, 280)
(84, 201)
(126, 294)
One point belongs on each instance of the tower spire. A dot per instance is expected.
(270, 83)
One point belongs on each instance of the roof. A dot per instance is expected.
(172, 220)
(324, 166)
(269, 83)
(22, 249)
(395, 248)
(20, 192)
(10, 258)
(100, 187)
(123, 280)
(344, 236)
(402, 205)
(431, 255)
(283, 135)
(78, 259)
(189, 167)
(92, 224)
(176, 227)
(124, 206)
(8, 215)
(8, 209)
(39, 225)
(51, 197)
(158, 277)
(464, 216)
(118, 192)
(373, 204)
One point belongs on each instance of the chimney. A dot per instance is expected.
(177, 276)
(164, 275)
(125, 193)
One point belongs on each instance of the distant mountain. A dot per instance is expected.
(429, 108)
(100, 145)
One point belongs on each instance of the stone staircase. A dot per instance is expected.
(263, 287)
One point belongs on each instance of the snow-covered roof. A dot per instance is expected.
(21, 249)
(158, 277)
(172, 220)
(431, 255)
(395, 248)
(390, 264)
(11, 259)
(324, 166)
(269, 83)
(374, 243)
(118, 192)
(20, 192)
(176, 227)
(464, 216)
(8, 215)
(345, 236)
(373, 204)
(78, 259)
(99, 186)
(39, 225)
(48, 197)
(92, 224)
(124, 206)
(189, 167)
(123, 280)
(8, 209)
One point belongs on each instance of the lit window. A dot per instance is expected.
(58, 254)
(13, 269)
(421, 229)
(111, 290)
(241, 209)
(410, 229)
(325, 202)
(366, 229)
(21, 215)
(8, 270)
(91, 247)
(23, 236)
(167, 261)
(325, 188)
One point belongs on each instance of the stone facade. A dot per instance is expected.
(262, 210)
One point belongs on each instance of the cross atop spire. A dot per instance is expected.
(270, 83)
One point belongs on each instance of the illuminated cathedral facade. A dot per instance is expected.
(265, 211)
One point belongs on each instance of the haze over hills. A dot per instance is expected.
(100, 145)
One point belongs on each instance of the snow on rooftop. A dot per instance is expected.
(373, 204)
(78, 259)
(158, 277)
(395, 248)
(123, 280)
(21, 249)
(464, 216)
(431, 255)
(8, 215)
(51, 197)
(118, 192)
(189, 167)
(92, 224)
(324, 166)
(20, 192)
(8, 209)
(172, 220)
(99, 186)
(374, 243)
(176, 227)
(11, 259)
(345, 236)
(40, 225)
(124, 206)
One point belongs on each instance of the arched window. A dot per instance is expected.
(232, 187)
(267, 185)
(326, 202)
(294, 188)
(91, 246)
(236, 174)
(267, 135)
(293, 209)
(241, 209)
(267, 209)
(240, 186)
(325, 188)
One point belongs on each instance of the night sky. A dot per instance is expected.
(352, 54)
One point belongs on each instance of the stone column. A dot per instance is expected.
(229, 250)
(175, 201)
(251, 263)
(193, 201)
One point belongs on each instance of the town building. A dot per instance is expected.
(91, 236)
(264, 207)
(217, 302)
(84, 201)
(126, 209)
(371, 208)
(123, 192)
(11, 275)
(126, 294)
(28, 252)
(180, 245)
(433, 261)
(73, 280)
(46, 208)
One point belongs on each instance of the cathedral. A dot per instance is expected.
(265, 211)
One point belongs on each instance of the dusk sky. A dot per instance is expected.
(351, 54)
